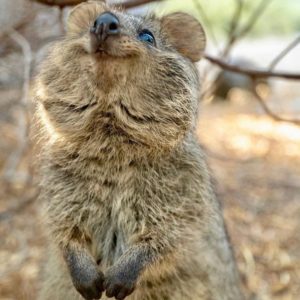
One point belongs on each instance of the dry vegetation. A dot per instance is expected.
(255, 160)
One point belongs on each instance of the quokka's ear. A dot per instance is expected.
(185, 34)
(83, 15)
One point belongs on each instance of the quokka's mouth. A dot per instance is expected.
(101, 52)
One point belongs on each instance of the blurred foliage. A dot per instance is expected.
(281, 17)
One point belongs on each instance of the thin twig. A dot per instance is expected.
(62, 20)
(284, 52)
(16, 156)
(207, 22)
(254, 17)
(134, 3)
(236, 17)
(22, 257)
(60, 3)
(272, 114)
(251, 72)
(232, 34)
(256, 14)
(18, 207)
(125, 5)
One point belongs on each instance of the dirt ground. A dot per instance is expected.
(256, 165)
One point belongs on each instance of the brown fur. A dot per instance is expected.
(130, 206)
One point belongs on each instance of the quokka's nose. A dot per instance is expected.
(105, 25)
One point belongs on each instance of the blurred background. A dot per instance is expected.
(249, 126)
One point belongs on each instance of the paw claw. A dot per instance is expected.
(115, 288)
(91, 289)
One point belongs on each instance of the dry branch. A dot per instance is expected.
(135, 3)
(272, 114)
(206, 21)
(235, 34)
(256, 14)
(233, 28)
(60, 3)
(253, 73)
(16, 156)
(63, 3)
(284, 52)
(21, 258)
(236, 17)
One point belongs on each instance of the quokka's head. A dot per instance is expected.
(117, 79)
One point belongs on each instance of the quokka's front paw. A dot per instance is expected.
(89, 284)
(119, 283)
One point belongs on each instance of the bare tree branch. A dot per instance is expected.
(236, 34)
(256, 14)
(60, 3)
(23, 255)
(284, 52)
(232, 35)
(206, 20)
(236, 17)
(251, 72)
(272, 114)
(15, 157)
(125, 5)
(135, 3)
(19, 207)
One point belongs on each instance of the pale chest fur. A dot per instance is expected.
(112, 210)
(112, 202)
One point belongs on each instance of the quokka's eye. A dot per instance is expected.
(146, 36)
